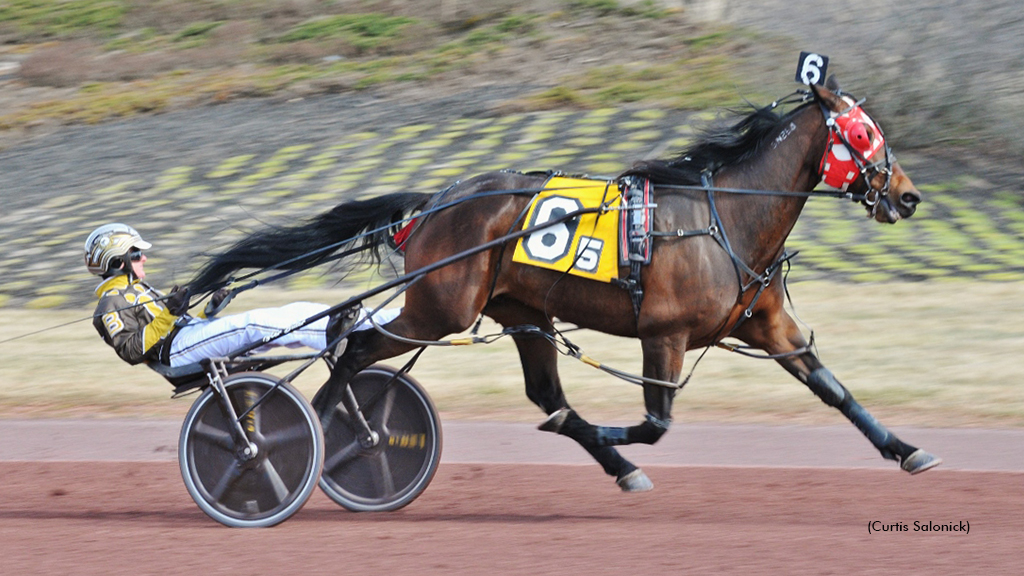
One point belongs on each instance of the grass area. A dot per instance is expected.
(915, 354)
(364, 31)
(60, 18)
(116, 58)
(693, 83)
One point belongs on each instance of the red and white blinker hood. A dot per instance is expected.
(839, 168)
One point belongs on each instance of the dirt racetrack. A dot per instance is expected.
(106, 497)
(121, 518)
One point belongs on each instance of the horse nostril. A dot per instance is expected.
(910, 199)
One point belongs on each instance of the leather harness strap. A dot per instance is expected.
(635, 238)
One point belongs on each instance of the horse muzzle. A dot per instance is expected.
(892, 206)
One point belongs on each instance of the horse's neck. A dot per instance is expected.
(757, 225)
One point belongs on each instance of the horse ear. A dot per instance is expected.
(827, 96)
(833, 84)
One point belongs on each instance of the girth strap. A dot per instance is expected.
(635, 235)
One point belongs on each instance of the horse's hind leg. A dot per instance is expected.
(544, 388)
(663, 358)
(368, 346)
(777, 333)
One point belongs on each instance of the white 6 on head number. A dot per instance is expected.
(551, 244)
(811, 68)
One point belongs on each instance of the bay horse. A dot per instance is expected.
(691, 294)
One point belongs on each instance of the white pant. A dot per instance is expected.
(201, 338)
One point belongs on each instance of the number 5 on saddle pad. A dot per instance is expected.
(586, 246)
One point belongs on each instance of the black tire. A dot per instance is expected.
(399, 467)
(267, 489)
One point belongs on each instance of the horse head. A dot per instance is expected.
(857, 158)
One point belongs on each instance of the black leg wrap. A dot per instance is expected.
(831, 392)
(825, 386)
(583, 432)
(650, 431)
(610, 435)
(647, 432)
(873, 429)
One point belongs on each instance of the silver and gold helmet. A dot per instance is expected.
(109, 242)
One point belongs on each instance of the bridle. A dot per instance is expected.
(849, 149)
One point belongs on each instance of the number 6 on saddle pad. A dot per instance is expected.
(586, 246)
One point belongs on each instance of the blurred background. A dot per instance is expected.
(198, 121)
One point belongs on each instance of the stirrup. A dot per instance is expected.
(339, 323)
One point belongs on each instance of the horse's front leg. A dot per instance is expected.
(776, 333)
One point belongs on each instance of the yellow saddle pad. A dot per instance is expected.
(586, 246)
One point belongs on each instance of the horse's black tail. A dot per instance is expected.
(313, 242)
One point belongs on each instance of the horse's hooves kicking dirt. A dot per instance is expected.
(920, 461)
(635, 481)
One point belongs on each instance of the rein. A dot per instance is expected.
(368, 234)
(755, 192)
(411, 277)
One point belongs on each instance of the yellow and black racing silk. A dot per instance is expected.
(130, 318)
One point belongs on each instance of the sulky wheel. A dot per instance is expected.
(277, 476)
(391, 466)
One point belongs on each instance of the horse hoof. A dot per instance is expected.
(554, 422)
(920, 461)
(635, 481)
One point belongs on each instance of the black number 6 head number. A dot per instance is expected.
(811, 68)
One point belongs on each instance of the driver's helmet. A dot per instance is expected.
(110, 242)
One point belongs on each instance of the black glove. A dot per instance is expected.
(218, 300)
(177, 302)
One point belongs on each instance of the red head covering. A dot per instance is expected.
(839, 169)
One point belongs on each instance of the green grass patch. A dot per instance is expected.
(60, 18)
(362, 31)
(558, 97)
(518, 24)
(599, 7)
(704, 41)
(196, 32)
(136, 41)
(689, 84)
(645, 9)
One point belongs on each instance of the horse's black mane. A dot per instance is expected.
(724, 143)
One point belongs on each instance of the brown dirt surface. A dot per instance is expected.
(110, 517)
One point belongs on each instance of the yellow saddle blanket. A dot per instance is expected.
(586, 246)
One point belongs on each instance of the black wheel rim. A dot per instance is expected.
(257, 488)
(392, 473)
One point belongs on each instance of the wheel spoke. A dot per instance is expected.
(270, 475)
(233, 473)
(214, 436)
(343, 456)
(278, 438)
(327, 419)
(385, 480)
(389, 404)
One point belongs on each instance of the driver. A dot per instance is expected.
(141, 325)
